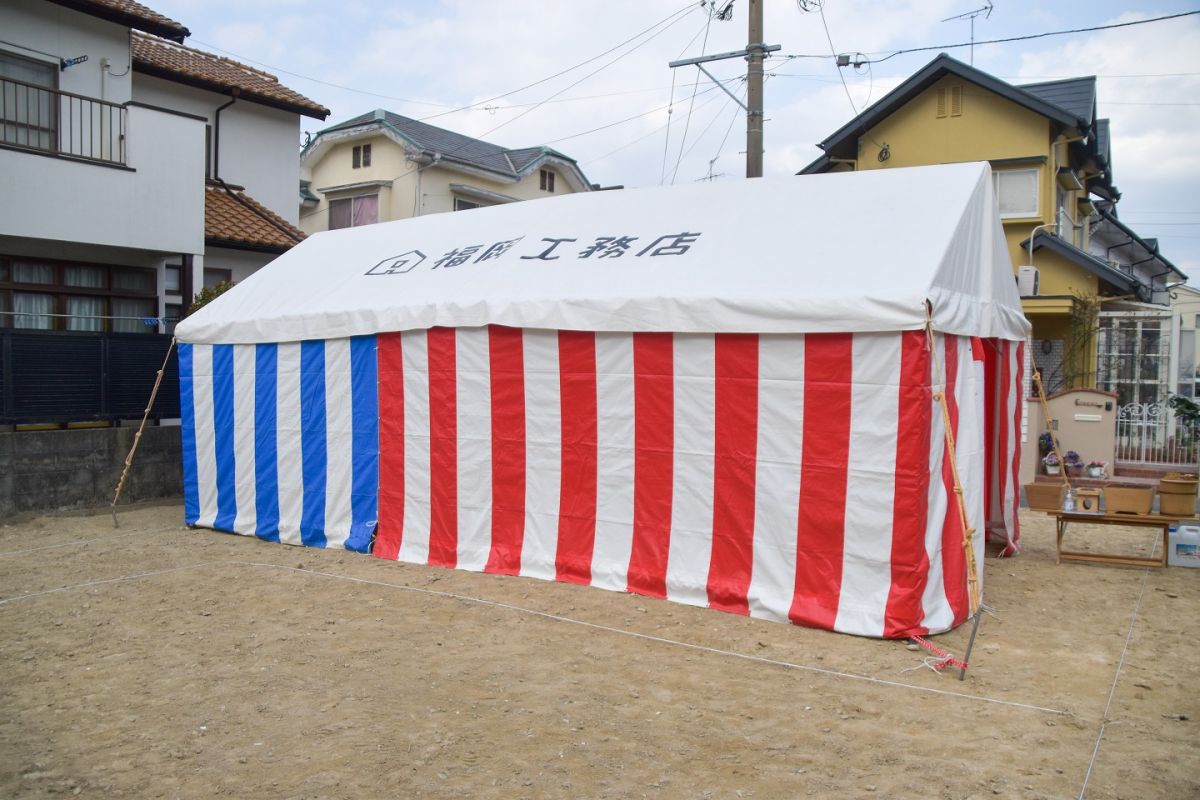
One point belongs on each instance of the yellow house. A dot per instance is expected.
(381, 166)
(1051, 166)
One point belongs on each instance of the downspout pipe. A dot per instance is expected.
(233, 96)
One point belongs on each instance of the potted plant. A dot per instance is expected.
(1073, 463)
(1050, 463)
(1096, 469)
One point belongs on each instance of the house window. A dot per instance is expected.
(173, 281)
(1017, 191)
(28, 105)
(547, 180)
(361, 156)
(214, 277)
(42, 294)
(464, 205)
(351, 212)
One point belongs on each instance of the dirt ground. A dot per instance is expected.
(155, 661)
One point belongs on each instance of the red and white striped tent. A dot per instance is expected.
(722, 394)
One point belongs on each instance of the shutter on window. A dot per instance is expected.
(956, 101)
(941, 102)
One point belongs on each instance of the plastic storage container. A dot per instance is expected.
(1183, 546)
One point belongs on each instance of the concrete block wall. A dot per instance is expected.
(51, 470)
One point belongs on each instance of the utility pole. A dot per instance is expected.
(754, 53)
(754, 92)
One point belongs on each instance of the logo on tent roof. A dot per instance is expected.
(398, 265)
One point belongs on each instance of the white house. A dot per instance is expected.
(136, 169)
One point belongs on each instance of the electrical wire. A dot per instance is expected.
(594, 72)
(883, 148)
(684, 11)
(1005, 40)
(626, 119)
(687, 123)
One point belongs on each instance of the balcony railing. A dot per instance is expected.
(61, 123)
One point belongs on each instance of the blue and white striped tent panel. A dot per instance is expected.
(281, 441)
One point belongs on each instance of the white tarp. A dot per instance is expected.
(843, 252)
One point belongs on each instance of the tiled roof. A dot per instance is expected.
(159, 57)
(127, 12)
(454, 146)
(1075, 95)
(227, 220)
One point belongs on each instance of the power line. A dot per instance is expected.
(1026, 37)
(596, 71)
(684, 11)
(687, 123)
(627, 119)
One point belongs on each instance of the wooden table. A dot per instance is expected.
(1132, 520)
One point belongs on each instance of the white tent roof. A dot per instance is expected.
(839, 252)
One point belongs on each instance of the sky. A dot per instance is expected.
(629, 119)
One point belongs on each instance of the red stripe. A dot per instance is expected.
(443, 448)
(734, 461)
(506, 358)
(577, 488)
(653, 461)
(390, 531)
(954, 559)
(1000, 348)
(910, 506)
(1018, 379)
(981, 352)
(821, 529)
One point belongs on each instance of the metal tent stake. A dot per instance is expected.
(962, 671)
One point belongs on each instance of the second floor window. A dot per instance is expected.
(547, 181)
(1017, 191)
(361, 156)
(350, 212)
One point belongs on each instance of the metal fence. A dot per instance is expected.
(1150, 434)
(61, 123)
(67, 376)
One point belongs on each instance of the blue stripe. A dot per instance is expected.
(364, 409)
(312, 442)
(187, 423)
(222, 360)
(266, 466)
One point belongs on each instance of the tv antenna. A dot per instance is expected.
(985, 12)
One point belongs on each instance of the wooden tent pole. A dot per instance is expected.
(951, 454)
(1049, 420)
(138, 436)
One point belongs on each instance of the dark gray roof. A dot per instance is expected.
(1076, 96)
(843, 142)
(453, 146)
(1087, 261)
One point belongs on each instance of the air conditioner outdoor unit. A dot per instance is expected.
(1027, 281)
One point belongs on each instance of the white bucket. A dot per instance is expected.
(1183, 546)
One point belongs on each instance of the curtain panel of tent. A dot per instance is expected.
(790, 477)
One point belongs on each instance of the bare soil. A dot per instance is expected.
(156, 661)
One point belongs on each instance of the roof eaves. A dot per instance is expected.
(146, 20)
(1082, 259)
(1149, 245)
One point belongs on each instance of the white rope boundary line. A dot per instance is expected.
(1117, 677)
(550, 616)
(7, 553)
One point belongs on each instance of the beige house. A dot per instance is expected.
(381, 166)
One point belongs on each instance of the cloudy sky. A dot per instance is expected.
(629, 119)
